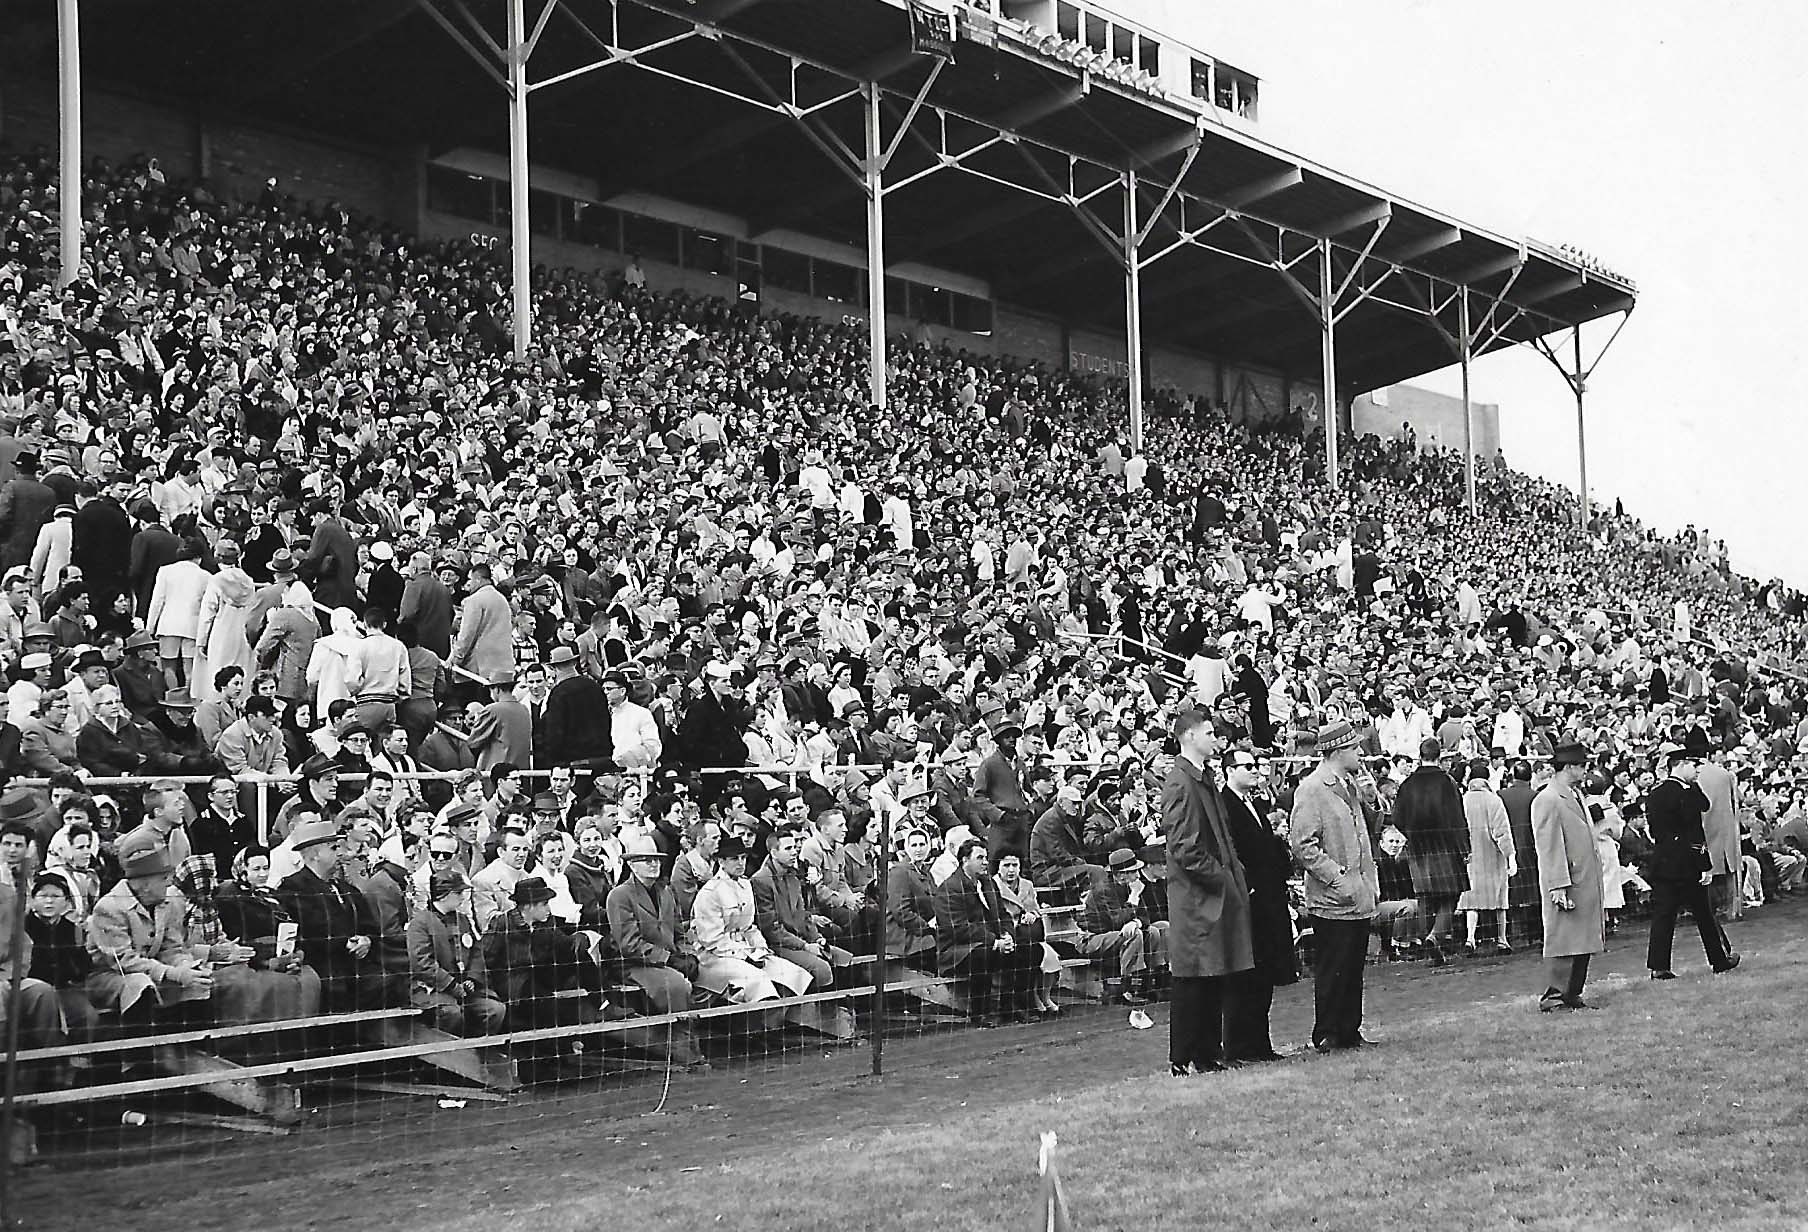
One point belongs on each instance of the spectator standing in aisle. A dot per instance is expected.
(1429, 810)
(1209, 931)
(1681, 868)
(1569, 877)
(1267, 865)
(1330, 841)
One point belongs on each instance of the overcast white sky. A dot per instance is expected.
(1665, 138)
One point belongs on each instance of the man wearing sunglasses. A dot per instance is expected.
(1267, 861)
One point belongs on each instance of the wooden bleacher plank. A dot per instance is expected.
(494, 1072)
(273, 1100)
(206, 1035)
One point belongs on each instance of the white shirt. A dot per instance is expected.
(635, 735)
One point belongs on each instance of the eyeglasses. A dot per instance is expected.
(441, 855)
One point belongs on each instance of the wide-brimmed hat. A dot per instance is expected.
(1335, 736)
(1006, 727)
(21, 804)
(145, 861)
(37, 661)
(642, 847)
(560, 656)
(282, 561)
(531, 890)
(141, 640)
(1570, 754)
(1123, 860)
(732, 845)
(1670, 751)
(914, 789)
(312, 834)
(318, 766)
(178, 699)
(453, 880)
(462, 812)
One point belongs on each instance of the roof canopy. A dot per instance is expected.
(1014, 165)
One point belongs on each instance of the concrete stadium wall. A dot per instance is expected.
(1028, 336)
(237, 157)
(1437, 419)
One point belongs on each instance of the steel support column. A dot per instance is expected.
(1463, 332)
(520, 255)
(1133, 312)
(873, 180)
(1327, 322)
(1576, 374)
(1580, 385)
(69, 144)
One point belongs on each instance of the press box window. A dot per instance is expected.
(463, 196)
(652, 238)
(785, 271)
(841, 283)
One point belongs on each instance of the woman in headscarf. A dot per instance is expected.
(329, 666)
(267, 985)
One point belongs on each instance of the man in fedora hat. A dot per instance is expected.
(999, 782)
(528, 959)
(319, 794)
(1330, 841)
(1681, 869)
(643, 925)
(1114, 931)
(575, 729)
(1569, 880)
(504, 731)
(140, 678)
(330, 915)
(269, 596)
(142, 962)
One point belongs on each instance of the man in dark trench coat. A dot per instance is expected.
(1266, 861)
(1208, 902)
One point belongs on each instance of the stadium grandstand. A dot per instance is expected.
(477, 613)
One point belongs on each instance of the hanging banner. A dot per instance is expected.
(931, 31)
(977, 25)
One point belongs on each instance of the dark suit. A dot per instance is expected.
(153, 547)
(909, 907)
(710, 734)
(331, 565)
(970, 920)
(1678, 859)
(1209, 931)
(330, 913)
(101, 543)
(25, 505)
(427, 602)
(576, 727)
(1525, 918)
(1267, 862)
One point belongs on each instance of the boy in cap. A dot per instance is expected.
(529, 959)
(446, 962)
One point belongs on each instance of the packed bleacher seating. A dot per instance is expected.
(670, 619)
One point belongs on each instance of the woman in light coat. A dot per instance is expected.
(329, 666)
(1017, 898)
(287, 644)
(175, 612)
(1608, 825)
(1492, 861)
(220, 628)
(734, 959)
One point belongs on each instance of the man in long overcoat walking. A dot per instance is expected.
(1208, 902)
(1569, 881)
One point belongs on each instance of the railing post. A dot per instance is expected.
(883, 868)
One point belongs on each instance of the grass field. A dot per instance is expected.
(1672, 1106)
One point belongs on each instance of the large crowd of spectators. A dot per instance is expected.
(681, 632)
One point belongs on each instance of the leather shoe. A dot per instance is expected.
(1732, 960)
(1663, 975)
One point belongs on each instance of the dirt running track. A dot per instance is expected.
(407, 1163)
